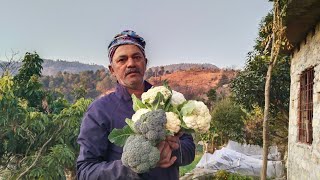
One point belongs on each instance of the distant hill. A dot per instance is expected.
(193, 80)
(195, 83)
(51, 67)
(185, 66)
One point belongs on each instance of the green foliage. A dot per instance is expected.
(221, 175)
(248, 86)
(137, 103)
(27, 85)
(37, 132)
(225, 175)
(32, 66)
(184, 169)
(254, 128)
(212, 95)
(227, 120)
(79, 92)
(86, 84)
(212, 98)
(52, 165)
(278, 129)
(119, 136)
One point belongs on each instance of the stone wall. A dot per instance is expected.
(303, 159)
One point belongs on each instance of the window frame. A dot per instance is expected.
(305, 109)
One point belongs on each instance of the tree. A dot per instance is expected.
(248, 87)
(277, 39)
(104, 85)
(212, 96)
(149, 73)
(254, 126)
(36, 144)
(32, 65)
(162, 70)
(79, 92)
(227, 120)
(27, 80)
(11, 65)
(156, 71)
(264, 61)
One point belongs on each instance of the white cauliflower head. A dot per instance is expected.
(177, 98)
(173, 122)
(196, 115)
(139, 113)
(150, 95)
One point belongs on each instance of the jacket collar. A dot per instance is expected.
(122, 92)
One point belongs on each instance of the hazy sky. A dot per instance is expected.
(176, 31)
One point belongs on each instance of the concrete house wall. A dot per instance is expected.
(304, 159)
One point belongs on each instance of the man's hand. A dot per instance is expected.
(173, 141)
(166, 147)
(165, 155)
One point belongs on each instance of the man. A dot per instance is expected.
(98, 157)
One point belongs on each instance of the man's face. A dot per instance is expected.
(128, 65)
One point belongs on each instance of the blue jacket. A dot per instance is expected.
(100, 159)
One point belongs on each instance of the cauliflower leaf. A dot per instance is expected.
(137, 103)
(119, 136)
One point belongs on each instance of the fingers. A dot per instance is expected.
(172, 138)
(168, 163)
(173, 141)
(165, 155)
(173, 145)
(161, 145)
(166, 152)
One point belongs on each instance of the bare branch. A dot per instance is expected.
(11, 63)
(39, 153)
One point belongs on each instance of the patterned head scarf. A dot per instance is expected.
(125, 37)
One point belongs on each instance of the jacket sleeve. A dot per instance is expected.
(92, 160)
(186, 153)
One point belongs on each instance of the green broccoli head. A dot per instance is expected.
(139, 154)
(152, 125)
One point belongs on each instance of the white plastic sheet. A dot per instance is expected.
(243, 159)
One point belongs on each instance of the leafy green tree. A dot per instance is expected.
(253, 126)
(79, 92)
(32, 65)
(227, 120)
(105, 84)
(27, 80)
(268, 49)
(212, 95)
(35, 143)
(248, 86)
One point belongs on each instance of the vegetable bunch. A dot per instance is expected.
(160, 112)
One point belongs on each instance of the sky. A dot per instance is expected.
(176, 31)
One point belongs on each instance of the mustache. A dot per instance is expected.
(132, 70)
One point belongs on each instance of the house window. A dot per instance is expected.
(306, 106)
